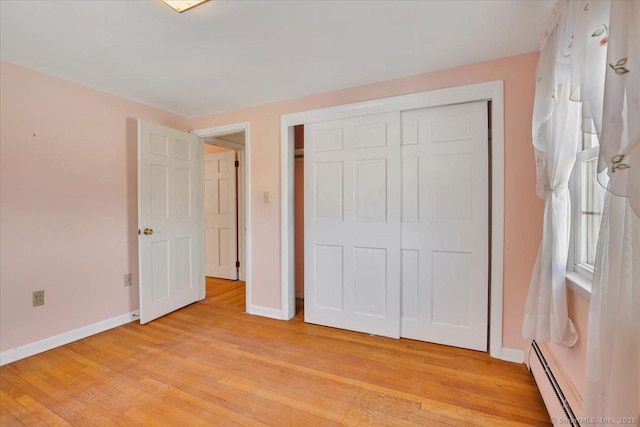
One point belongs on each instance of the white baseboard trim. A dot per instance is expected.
(258, 310)
(512, 355)
(49, 343)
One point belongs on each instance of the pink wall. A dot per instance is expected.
(68, 205)
(573, 359)
(523, 209)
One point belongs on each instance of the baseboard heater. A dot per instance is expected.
(569, 418)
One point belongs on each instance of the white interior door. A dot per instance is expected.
(170, 244)
(352, 224)
(445, 225)
(220, 215)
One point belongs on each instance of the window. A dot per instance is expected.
(587, 201)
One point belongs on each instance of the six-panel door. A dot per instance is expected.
(445, 225)
(169, 176)
(352, 224)
(220, 219)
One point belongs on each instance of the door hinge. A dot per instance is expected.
(237, 264)
(237, 163)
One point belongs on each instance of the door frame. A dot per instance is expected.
(488, 91)
(246, 218)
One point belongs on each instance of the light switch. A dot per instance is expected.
(267, 197)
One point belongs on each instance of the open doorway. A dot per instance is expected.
(224, 206)
(234, 138)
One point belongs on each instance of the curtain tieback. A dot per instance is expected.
(549, 189)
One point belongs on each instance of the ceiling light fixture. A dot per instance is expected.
(182, 5)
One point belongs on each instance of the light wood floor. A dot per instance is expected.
(212, 364)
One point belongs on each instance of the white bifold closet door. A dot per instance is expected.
(352, 224)
(397, 224)
(445, 225)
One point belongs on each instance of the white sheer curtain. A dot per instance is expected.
(613, 344)
(611, 389)
(600, 43)
(555, 138)
(620, 137)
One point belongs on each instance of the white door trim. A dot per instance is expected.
(493, 91)
(242, 211)
(222, 130)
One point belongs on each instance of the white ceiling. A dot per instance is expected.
(225, 55)
(234, 141)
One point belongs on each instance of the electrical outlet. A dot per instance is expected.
(127, 279)
(38, 298)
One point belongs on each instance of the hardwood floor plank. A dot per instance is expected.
(11, 409)
(24, 408)
(354, 367)
(43, 413)
(58, 404)
(251, 404)
(8, 420)
(213, 364)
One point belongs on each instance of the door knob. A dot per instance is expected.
(147, 231)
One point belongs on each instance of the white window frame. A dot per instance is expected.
(579, 275)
